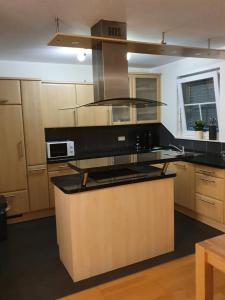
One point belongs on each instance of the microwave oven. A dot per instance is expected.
(60, 149)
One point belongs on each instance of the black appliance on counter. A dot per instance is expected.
(144, 141)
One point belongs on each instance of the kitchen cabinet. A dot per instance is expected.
(18, 202)
(10, 91)
(38, 187)
(12, 152)
(58, 102)
(33, 124)
(209, 207)
(184, 184)
(145, 86)
(89, 116)
(54, 170)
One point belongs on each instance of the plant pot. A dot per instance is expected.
(199, 135)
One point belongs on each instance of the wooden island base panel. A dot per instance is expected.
(105, 229)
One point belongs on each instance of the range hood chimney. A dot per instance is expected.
(110, 66)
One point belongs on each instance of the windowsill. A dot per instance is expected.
(186, 137)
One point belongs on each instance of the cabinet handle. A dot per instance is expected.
(20, 149)
(206, 172)
(63, 167)
(65, 108)
(9, 196)
(207, 180)
(2, 101)
(36, 171)
(75, 117)
(207, 201)
(180, 166)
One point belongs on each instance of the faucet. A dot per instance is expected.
(181, 149)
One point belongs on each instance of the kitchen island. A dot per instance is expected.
(122, 215)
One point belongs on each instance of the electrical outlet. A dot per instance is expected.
(121, 138)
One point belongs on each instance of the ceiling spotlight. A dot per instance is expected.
(81, 55)
(128, 56)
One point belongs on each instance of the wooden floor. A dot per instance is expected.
(171, 281)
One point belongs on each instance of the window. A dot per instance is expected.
(198, 99)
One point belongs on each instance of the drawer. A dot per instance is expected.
(209, 207)
(10, 91)
(209, 186)
(38, 187)
(18, 202)
(209, 171)
(58, 167)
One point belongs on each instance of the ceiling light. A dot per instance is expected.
(128, 56)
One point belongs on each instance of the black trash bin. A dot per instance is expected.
(3, 218)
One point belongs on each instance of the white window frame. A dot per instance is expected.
(215, 76)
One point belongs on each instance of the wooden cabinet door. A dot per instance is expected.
(18, 202)
(38, 187)
(33, 125)
(10, 92)
(89, 116)
(184, 187)
(58, 105)
(12, 153)
(147, 87)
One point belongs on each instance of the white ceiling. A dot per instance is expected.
(26, 26)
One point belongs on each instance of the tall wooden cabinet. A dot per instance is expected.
(184, 184)
(33, 123)
(12, 152)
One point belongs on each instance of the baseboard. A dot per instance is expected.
(31, 216)
(198, 217)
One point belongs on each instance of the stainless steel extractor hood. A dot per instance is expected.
(110, 68)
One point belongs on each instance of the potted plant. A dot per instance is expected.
(199, 126)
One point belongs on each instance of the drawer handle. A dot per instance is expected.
(36, 171)
(207, 201)
(206, 172)
(9, 196)
(207, 180)
(180, 166)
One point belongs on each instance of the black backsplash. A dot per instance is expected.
(103, 140)
(100, 140)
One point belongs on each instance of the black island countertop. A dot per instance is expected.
(116, 170)
(71, 184)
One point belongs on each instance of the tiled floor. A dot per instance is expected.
(30, 267)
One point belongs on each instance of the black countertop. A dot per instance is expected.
(207, 159)
(71, 184)
(127, 160)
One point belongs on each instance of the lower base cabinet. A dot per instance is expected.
(38, 187)
(55, 170)
(18, 202)
(209, 207)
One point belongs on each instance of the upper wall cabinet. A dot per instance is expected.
(58, 103)
(33, 125)
(89, 116)
(148, 87)
(10, 91)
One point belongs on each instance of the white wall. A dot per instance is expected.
(169, 74)
(50, 71)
